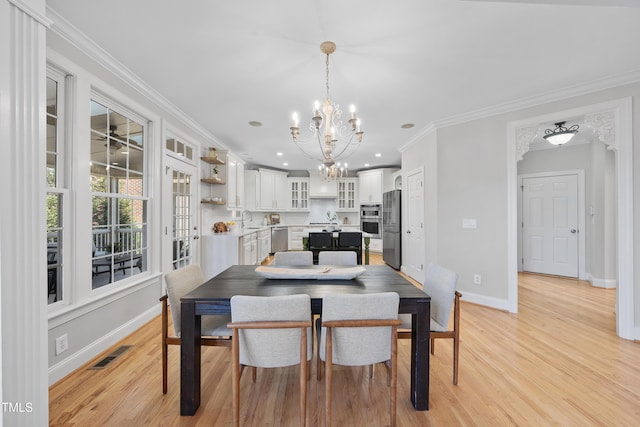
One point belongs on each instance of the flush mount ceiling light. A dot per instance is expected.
(560, 135)
(336, 139)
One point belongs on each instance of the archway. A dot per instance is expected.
(611, 122)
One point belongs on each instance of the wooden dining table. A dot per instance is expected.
(213, 297)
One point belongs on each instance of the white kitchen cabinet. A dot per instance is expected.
(298, 194)
(235, 182)
(375, 245)
(372, 183)
(347, 195)
(370, 187)
(272, 197)
(249, 249)
(295, 238)
(251, 188)
(264, 244)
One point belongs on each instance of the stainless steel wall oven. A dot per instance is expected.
(371, 220)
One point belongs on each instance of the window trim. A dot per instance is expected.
(113, 105)
(63, 111)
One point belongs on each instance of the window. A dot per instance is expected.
(179, 148)
(56, 193)
(119, 204)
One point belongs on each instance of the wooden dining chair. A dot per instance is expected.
(270, 332)
(214, 328)
(293, 258)
(440, 284)
(337, 258)
(358, 330)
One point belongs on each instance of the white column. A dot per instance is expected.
(23, 305)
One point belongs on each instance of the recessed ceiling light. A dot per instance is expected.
(407, 126)
(255, 123)
(279, 153)
(285, 164)
(378, 155)
(366, 165)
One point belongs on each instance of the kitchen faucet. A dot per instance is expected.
(242, 218)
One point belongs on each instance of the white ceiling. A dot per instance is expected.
(408, 61)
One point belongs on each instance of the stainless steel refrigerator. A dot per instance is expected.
(392, 229)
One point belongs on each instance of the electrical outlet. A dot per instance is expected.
(62, 344)
(477, 279)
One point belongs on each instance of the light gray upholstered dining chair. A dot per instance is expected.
(359, 330)
(337, 258)
(270, 332)
(214, 328)
(293, 258)
(440, 284)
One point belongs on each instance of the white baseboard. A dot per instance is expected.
(500, 304)
(603, 283)
(78, 359)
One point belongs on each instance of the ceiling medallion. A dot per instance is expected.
(336, 140)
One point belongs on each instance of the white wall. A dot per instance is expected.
(471, 179)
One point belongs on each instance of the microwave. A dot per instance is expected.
(370, 211)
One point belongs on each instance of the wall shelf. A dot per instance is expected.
(212, 181)
(211, 202)
(212, 160)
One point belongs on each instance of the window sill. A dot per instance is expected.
(70, 312)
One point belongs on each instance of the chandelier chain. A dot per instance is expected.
(327, 75)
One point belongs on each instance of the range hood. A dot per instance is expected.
(320, 189)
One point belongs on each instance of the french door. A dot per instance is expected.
(181, 214)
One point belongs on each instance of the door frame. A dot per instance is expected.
(582, 274)
(612, 123)
(172, 162)
(420, 250)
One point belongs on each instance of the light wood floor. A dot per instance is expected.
(557, 362)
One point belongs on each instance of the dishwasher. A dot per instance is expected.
(279, 239)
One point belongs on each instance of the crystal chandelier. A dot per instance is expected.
(335, 138)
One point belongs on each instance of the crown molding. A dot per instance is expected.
(521, 104)
(42, 19)
(431, 127)
(73, 35)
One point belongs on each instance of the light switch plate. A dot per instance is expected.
(469, 223)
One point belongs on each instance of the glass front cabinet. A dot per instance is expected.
(347, 196)
(299, 194)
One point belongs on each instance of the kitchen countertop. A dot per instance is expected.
(239, 232)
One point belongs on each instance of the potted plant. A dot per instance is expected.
(332, 218)
(215, 172)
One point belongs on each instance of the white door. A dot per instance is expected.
(181, 219)
(550, 225)
(413, 251)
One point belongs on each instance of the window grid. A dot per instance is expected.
(54, 200)
(119, 206)
(182, 219)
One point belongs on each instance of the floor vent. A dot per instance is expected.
(110, 358)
